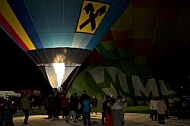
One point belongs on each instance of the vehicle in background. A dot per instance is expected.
(6, 94)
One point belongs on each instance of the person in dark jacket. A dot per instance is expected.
(73, 107)
(64, 105)
(94, 104)
(101, 102)
(56, 105)
(8, 114)
(2, 110)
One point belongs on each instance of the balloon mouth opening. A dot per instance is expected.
(57, 73)
(52, 64)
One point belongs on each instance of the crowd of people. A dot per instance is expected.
(83, 106)
(161, 107)
(59, 104)
(158, 108)
(9, 106)
(7, 110)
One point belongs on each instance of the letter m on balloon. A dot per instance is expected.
(92, 13)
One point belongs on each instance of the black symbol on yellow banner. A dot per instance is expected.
(89, 9)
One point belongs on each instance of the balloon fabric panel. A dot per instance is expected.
(150, 31)
(59, 32)
(46, 24)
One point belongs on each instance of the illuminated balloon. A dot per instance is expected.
(148, 31)
(58, 35)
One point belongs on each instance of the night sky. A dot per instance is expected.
(19, 72)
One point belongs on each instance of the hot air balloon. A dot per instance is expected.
(138, 45)
(148, 32)
(58, 35)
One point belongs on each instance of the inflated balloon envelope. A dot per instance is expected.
(148, 32)
(58, 35)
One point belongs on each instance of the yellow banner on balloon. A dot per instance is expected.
(92, 13)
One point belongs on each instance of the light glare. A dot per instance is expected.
(60, 72)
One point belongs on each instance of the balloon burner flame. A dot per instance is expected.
(60, 72)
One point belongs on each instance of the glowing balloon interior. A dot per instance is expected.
(59, 73)
(58, 31)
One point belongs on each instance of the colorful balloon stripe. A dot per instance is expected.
(12, 33)
(12, 20)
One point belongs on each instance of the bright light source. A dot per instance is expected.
(57, 73)
(60, 72)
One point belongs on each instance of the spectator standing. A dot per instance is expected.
(79, 114)
(94, 104)
(153, 108)
(40, 101)
(161, 109)
(31, 104)
(86, 108)
(117, 113)
(167, 107)
(49, 106)
(101, 102)
(83, 96)
(2, 109)
(18, 102)
(171, 106)
(107, 110)
(122, 103)
(188, 107)
(112, 99)
(73, 107)
(177, 106)
(64, 105)
(56, 105)
(25, 107)
(8, 113)
(77, 105)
